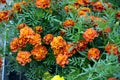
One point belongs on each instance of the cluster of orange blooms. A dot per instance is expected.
(43, 3)
(61, 50)
(27, 35)
(1, 62)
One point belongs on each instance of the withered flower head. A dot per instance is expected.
(1, 62)
(38, 29)
(118, 15)
(3, 1)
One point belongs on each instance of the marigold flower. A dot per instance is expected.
(38, 29)
(68, 23)
(111, 48)
(14, 45)
(81, 13)
(26, 32)
(90, 34)
(58, 51)
(22, 25)
(43, 3)
(1, 62)
(93, 53)
(35, 39)
(81, 46)
(5, 15)
(112, 78)
(62, 60)
(57, 77)
(83, 2)
(98, 6)
(3, 1)
(58, 42)
(23, 57)
(118, 15)
(39, 52)
(22, 42)
(48, 38)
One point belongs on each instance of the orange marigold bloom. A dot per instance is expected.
(81, 46)
(22, 42)
(111, 48)
(118, 15)
(26, 32)
(35, 39)
(23, 57)
(14, 45)
(68, 23)
(83, 2)
(98, 6)
(85, 9)
(58, 42)
(107, 29)
(5, 15)
(22, 25)
(81, 13)
(112, 78)
(39, 29)
(62, 60)
(48, 38)
(39, 52)
(93, 53)
(1, 62)
(90, 34)
(58, 51)
(43, 3)
(3, 1)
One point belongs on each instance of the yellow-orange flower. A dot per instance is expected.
(58, 51)
(90, 34)
(112, 78)
(98, 6)
(22, 42)
(93, 53)
(23, 57)
(118, 15)
(26, 32)
(39, 52)
(68, 23)
(62, 60)
(3, 1)
(5, 15)
(81, 46)
(111, 48)
(38, 29)
(43, 3)
(48, 38)
(35, 39)
(58, 42)
(81, 13)
(22, 25)
(83, 2)
(1, 62)
(14, 45)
